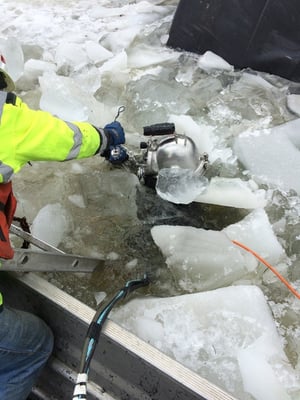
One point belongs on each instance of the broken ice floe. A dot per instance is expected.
(272, 155)
(229, 329)
(202, 259)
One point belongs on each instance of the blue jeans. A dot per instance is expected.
(26, 343)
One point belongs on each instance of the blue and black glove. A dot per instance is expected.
(115, 133)
(113, 136)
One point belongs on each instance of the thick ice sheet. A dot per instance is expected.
(229, 329)
(203, 259)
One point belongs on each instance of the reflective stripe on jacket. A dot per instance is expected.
(30, 135)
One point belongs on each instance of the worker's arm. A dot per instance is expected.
(38, 135)
(30, 135)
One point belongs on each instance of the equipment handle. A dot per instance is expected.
(166, 128)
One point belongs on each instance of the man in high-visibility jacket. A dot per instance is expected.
(28, 135)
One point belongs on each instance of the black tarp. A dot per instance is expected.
(260, 34)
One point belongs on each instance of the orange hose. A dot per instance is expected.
(283, 280)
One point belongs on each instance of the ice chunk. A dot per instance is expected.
(222, 335)
(146, 56)
(116, 69)
(71, 54)
(210, 61)
(77, 199)
(96, 52)
(201, 259)
(117, 42)
(180, 186)
(63, 97)
(51, 224)
(151, 98)
(255, 367)
(204, 259)
(12, 50)
(201, 134)
(293, 103)
(273, 155)
(260, 106)
(255, 231)
(114, 192)
(101, 12)
(232, 192)
(35, 68)
(99, 297)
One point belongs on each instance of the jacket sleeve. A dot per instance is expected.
(39, 136)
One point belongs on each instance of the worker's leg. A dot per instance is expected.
(26, 343)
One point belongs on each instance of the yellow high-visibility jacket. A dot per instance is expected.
(29, 135)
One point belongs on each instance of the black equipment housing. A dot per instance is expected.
(263, 35)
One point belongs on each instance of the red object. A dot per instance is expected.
(8, 204)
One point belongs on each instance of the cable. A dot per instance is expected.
(93, 334)
(283, 280)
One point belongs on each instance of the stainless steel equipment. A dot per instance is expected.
(172, 150)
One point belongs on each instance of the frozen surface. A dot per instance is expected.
(82, 60)
(228, 329)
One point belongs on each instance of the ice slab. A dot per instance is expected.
(293, 103)
(96, 52)
(222, 335)
(233, 192)
(211, 62)
(12, 50)
(71, 54)
(204, 259)
(255, 231)
(143, 56)
(201, 259)
(63, 97)
(115, 42)
(272, 155)
(114, 192)
(115, 68)
(35, 68)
